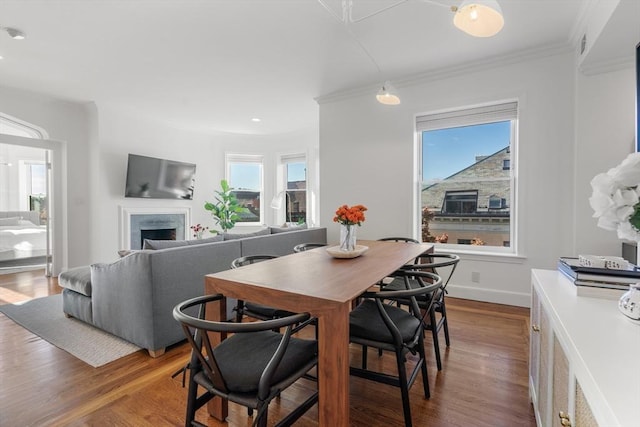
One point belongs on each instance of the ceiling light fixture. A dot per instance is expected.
(479, 18)
(14, 33)
(387, 95)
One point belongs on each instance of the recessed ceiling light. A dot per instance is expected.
(255, 119)
(14, 33)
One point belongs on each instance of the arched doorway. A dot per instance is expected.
(26, 208)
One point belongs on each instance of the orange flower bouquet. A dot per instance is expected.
(348, 218)
(353, 215)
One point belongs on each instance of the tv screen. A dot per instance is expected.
(148, 177)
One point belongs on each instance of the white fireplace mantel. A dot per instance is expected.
(125, 219)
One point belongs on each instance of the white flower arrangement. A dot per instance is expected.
(615, 199)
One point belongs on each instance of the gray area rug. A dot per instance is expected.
(44, 317)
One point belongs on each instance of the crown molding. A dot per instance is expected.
(456, 70)
(616, 64)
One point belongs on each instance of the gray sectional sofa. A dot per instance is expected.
(134, 296)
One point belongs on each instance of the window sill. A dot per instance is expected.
(483, 256)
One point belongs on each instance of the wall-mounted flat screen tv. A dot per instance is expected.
(148, 177)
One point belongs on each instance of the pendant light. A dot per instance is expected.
(479, 18)
(387, 95)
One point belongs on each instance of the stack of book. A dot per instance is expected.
(598, 282)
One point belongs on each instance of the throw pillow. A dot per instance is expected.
(124, 252)
(234, 236)
(163, 244)
(216, 238)
(275, 230)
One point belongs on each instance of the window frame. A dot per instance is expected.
(469, 116)
(473, 198)
(232, 158)
(282, 183)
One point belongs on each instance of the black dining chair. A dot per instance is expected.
(444, 265)
(251, 367)
(374, 323)
(399, 239)
(250, 309)
(307, 246)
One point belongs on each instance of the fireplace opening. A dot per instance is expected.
(157, 234)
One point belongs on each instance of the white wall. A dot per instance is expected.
(367, 157)
(120, 135)
(96, 141)
(67, 122)
(605, 106)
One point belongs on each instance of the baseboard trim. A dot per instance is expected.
(519, 299)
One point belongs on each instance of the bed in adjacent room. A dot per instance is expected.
(23, 241)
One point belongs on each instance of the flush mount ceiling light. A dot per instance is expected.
(387, 95)
(14, 33)
(479, 18)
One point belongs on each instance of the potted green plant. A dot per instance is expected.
(226, 210)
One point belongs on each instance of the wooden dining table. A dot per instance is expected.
(315, 282)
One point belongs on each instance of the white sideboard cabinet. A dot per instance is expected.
(584, 359)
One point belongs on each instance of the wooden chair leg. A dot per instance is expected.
(434, 334)
(364, 357)
(192, 397)
(264, 416)
(404, 388)
(425, 374)
(445, 323)
(239, 311)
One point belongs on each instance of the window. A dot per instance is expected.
(295, 177)
(467, 174)
(496, 202)
(244, 174)
(460, 202)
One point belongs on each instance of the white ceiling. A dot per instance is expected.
(212, 65)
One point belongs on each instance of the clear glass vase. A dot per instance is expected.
(347, 237)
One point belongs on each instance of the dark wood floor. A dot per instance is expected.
(483, 382)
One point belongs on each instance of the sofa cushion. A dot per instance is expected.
(216, 238)
(124, 252)
(281, 243)
(164, 244)
(235, 236)
(77, 279)
(275, 230)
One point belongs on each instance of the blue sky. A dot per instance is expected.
(246, 175)
(444, 152)
(447, 151)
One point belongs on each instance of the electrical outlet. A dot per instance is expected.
(475, 277)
